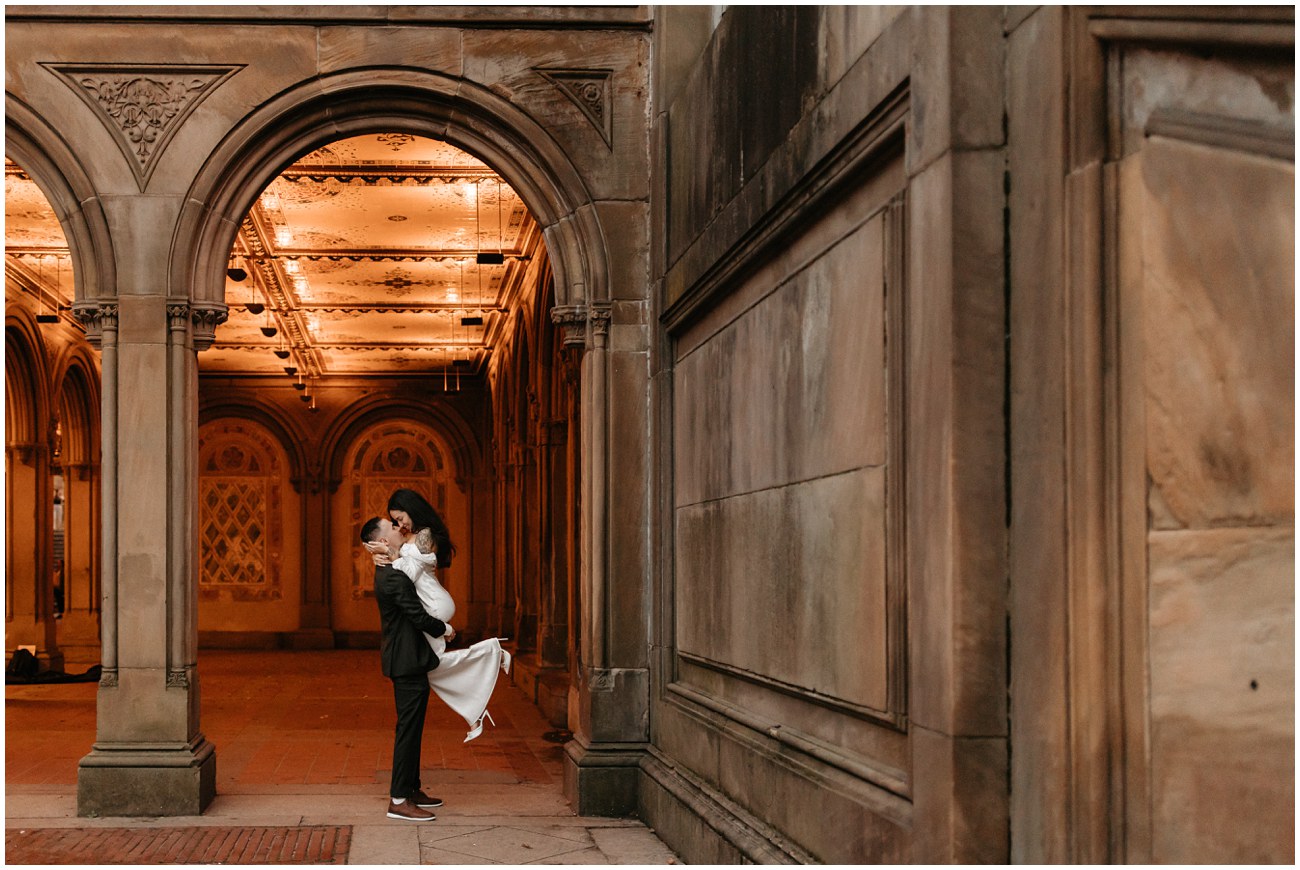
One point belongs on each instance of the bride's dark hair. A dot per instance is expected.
(423, 516)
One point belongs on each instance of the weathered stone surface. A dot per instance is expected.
(1219, 333)
(797, 379)
(1222, 694)
(773, 582)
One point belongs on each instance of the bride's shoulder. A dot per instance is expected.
(424, 540)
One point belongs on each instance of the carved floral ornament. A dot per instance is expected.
(590, 91)
(573, 319)
(100, 319)
(142, 106)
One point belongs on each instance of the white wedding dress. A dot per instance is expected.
(464, 678)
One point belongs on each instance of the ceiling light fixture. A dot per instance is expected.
(41, 316)
(269, 330)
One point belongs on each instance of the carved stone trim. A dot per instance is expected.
(178, 679)
(1222, 132)
(96, 318)
(207, 316)
(601, 680)
(108, 678)
(590, 91)
(142, 106)
(572, 320)
(178, 316)
(600, 316)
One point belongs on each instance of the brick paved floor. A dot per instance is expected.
(305, 739)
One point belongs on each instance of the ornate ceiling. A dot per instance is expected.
(380, 253)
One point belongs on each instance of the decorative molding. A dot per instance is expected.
(96, 318)
(108, 678)
(891, 779)
(142, 106)
(889, 718)
(600, 314)
(877, 140)
(178, 316)
(207, 316)
(178, 679)
(1222, 132)
(395, 141)
(572, 321)
(600, 680)
(590, 91)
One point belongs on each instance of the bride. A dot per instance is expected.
(464, 678)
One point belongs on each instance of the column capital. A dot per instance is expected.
(207, 316)
(96, 316)
(572, 320)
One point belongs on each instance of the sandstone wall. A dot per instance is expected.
(976, 403)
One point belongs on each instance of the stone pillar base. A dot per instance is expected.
(602, 779)
(145, 780)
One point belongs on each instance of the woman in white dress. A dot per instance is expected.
(464, 678)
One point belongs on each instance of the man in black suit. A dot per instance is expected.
(407, 659)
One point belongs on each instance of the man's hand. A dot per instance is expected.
(378, 551)
(450, 635)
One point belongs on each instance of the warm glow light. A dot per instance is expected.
(291, 266)
(270, 199)
(470, 190)
(283, 236)
(452, 295)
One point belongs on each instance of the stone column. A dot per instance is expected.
(158, 764)
(315, 490)
(611, 724)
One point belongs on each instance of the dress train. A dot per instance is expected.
(465, 678)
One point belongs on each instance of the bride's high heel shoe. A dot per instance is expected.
(478, 726)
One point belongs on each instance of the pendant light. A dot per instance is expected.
(269, 330)
(485, 258)
(41, 316)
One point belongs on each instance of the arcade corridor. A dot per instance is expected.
(306, 740)
(871, 426)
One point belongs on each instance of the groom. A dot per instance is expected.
(407, 659)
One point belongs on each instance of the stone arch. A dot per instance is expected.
(55, 168)
(77, 381)
(419, 102)
(272, 418)
(249, 527)
(466, 446)
(377, 453)
(27, 382)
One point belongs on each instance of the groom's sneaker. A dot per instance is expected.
(422, 800)
(409, 812)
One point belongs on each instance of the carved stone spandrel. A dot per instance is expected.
(142, 106)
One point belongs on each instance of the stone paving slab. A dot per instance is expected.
(503, 791)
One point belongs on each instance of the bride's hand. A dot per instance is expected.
(450, 635)
(379, 552)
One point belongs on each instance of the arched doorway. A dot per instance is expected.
(79, 520)
(385, 456)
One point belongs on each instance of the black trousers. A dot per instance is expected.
(411, 695)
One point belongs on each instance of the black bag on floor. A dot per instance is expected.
(23, 665)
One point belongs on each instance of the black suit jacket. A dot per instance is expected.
(402, 620)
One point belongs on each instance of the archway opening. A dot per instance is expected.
(51, 439)
(383, 289)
